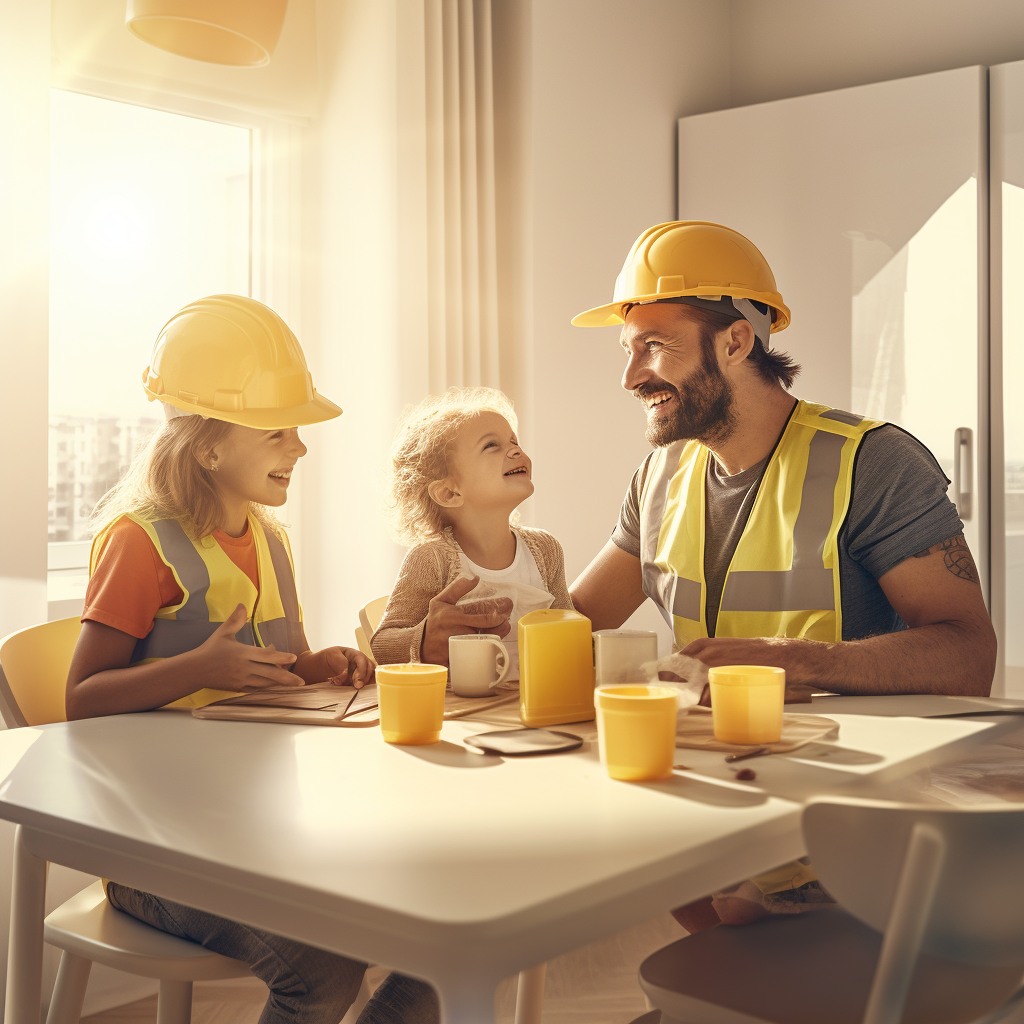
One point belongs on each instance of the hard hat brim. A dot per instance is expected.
(607, 315)
(316, 411)
(610, 314)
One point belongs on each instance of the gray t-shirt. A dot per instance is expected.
(898, 508)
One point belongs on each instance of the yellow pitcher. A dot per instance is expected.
(556, 668)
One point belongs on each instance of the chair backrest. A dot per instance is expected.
(34, 664)
(859, 849)
(371, 614)
(363, 644)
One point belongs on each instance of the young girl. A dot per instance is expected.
(458, 475)
(192, 597)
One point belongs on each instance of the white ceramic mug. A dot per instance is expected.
(617, 651)
(477, 663)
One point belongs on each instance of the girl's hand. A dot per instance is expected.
(348, 666)
(222, 663)
(338, 665)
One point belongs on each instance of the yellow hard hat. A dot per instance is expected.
(229, 357)
(690, 258)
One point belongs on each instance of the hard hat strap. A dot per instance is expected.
(760, 321)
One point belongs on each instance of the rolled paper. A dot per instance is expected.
(617, 652)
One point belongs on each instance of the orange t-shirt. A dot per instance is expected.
(131, 582)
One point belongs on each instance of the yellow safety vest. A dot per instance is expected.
(783, 579)
(212, 587)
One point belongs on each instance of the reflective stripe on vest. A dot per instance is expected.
(212, 587)
(783, 579)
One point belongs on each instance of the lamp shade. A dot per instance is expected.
(242, 33)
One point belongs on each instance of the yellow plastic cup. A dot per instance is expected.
(636, 731)
(746, 703)
(411, 701)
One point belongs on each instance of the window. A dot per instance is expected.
(149, 210)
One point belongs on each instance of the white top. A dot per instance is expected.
(447, 863)
(522, 582)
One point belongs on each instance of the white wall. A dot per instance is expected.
(585, 152)
(607, 89)
(24, 286)
(350, 284)
(24, 309)
(786, 48)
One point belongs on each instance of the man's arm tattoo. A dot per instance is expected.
(957, 557)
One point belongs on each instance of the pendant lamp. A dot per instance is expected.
(242, 33)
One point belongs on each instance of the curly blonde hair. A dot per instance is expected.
(168, 479)
(420, 455)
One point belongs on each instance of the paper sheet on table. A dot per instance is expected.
(318, 697)
(327, 704)
(694, 729)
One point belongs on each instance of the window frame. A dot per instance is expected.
(274, 221)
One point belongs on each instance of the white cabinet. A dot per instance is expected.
(871, 205)
(1006, 92)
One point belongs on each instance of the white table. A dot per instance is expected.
(453, 866)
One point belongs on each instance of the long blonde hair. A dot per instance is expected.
(168, 479)
(420, 455)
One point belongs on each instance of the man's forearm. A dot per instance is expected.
(953, 658)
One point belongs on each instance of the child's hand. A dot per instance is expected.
(222, 663)
(348, 666)
(338, 665)
(445, 620)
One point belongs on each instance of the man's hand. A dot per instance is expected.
(445, 619)
(338, 665)
(222, 663)
(796, 656)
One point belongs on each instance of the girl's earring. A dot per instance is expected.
(213, 467)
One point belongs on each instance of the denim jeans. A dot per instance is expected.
(307, 985)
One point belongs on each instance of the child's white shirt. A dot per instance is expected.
(523, 583)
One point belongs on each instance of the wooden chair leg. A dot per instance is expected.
(530, 995)
(174, 1003)
(69, 989)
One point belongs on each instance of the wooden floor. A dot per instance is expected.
(593, 985)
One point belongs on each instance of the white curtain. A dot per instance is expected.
(447, 224)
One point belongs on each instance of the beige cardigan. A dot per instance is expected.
(429, 568)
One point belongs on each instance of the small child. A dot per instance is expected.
(458, 475)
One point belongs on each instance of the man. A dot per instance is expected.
(769, 530)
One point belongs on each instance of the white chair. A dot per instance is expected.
(931, 929)
(89, 930)
(34, 666)
(363, 643)
(371, 614)
(369, 619)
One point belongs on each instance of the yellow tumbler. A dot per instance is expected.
(636, 731)
(411, 701)
(746, 703)
(556, 668)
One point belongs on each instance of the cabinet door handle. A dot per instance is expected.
(963, 471)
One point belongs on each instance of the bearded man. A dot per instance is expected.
(767, 530)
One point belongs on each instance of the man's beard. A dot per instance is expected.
(704, 411)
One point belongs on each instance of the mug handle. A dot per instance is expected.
(502, 662)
